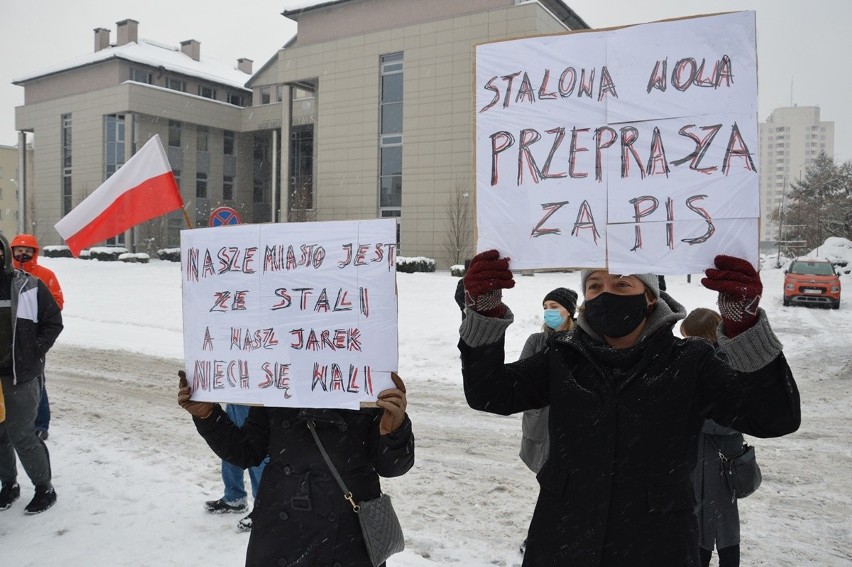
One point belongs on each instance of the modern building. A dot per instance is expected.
(88, 116)
(10, 180)
(365, 113)
(790, 140)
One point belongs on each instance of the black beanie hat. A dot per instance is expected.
(565, 297)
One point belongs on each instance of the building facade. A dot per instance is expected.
(10, 180)
(366, 113)
(88, 117)
(790, 140)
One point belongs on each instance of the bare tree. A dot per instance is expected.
(458, 235)
(300, 204)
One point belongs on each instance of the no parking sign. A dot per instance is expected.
(224, 216)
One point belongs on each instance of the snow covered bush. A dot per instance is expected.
(56, 252)
(457, 270)
(414, 264)
(140, 258)
(169, 254)
(107, 253)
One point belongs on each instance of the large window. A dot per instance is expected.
(66, 164)
(141, 75)
(228, 140)
(174, 133)
(390, 178)
(227, 187)
(202, 137)
(206, 91)
(301, 198)
(237, 99)
(201, 185)
(114, 127)
(175, 84)
(390, 137)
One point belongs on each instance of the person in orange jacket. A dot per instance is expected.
(25, 254)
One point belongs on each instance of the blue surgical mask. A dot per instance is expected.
(553, 318)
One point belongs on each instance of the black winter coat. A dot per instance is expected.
(36, 323)
(617, 488)
(300, 516)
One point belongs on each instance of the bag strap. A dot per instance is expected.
(346, 492)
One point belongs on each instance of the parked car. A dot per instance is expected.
(811, 281)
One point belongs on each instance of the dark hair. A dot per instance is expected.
(701, 322)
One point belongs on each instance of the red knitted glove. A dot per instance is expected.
(739, 290)
(484, 281)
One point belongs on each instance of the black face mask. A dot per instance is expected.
(23, 258)
(615, 316)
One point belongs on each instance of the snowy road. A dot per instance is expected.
(132, 474)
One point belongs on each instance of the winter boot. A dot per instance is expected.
(222, 506)
(44, 498)
(10, 492)
(245, 524)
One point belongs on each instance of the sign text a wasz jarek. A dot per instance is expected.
(633, 148)
(294, 314)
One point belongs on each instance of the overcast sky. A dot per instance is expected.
(803, 46)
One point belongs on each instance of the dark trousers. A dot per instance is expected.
(42, 422)
(728, 557)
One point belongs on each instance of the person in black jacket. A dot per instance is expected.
(300, 516)
(30, 322)
(627, 400)
(717, 511)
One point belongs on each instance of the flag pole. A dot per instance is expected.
(186, 217)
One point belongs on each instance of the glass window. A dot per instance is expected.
(301, 94)
(113, 143)
(228, 188)
(201, 185)
(391, 117)
(279, 93)
(228, 139)
(391, 68)
(301, 171)
(174, 133)
(206, 91)
(237, 99)
(175, 84)
(392, 87)
(202, 136)
(141, 76)
(265, 95)
(392, 160)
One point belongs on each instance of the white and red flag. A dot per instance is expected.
(143, 188)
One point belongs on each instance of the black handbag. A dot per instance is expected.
(741, 472)
(379, 524)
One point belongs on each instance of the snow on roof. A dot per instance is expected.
(296, 5)
(154, 54)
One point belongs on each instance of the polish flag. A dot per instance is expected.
(141, 189)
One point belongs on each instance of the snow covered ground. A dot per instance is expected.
(132, 474)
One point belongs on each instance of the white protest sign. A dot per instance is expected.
(294, 314)
(633, 148)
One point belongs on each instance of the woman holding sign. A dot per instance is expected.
(300, 516)
(627, 402)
